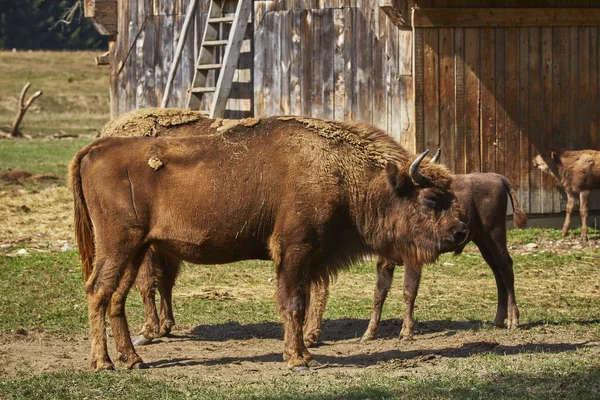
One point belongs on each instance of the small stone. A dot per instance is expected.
(22, 252)
(531, 246)
(66, 247)
(449, 264)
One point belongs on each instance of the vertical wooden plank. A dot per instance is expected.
(535, 120)
(295, 67)
(523, 124)
(594, 89)
(327, 59)
(350, 57)
(404, 99)
(546, 119)
(447, 100)
(431, 84)
(339, 88)
(500, 73)
(307, 70)
(511, 96)
(459, 137)
(149, 61)
(260, 45)
(594, 71)
(285, 38)
(419, 72)
(274, 58)
(488, 107)
(158, 54)
(560, 55)
(472, 132)
(364, 70)
(573, 87)
(565, 121)
(378, 100)
(582, 100)
(316, 93)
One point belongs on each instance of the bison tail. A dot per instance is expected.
(84, 230)
(519, 217)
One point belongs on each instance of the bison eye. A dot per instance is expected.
(431, 201)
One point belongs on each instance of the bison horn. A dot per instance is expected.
(414, 169)
(436, 156)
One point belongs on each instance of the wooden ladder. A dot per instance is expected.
(218, 56)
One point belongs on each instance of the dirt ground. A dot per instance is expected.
(233, 351)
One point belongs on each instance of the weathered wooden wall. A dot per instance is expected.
(343, 61)
(142, 53)
(494, 97)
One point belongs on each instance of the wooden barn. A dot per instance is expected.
(493, 82)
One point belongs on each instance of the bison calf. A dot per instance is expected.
(311, 195)
(577, 173)
(483, 197)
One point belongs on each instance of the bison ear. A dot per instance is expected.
(555, 157)
(397, 180)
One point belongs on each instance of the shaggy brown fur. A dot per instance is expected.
(577, 173)
(312, 202)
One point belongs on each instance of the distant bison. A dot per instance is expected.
(577, 173)
(483, 197)
(311, 195)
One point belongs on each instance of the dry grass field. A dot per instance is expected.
(227, 343)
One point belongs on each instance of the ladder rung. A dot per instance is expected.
(215, 43)
(209, 66)
(220, 19)
(203, 89)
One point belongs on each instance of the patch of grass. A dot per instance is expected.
(488, 377)
(76, 91)
(40, 156)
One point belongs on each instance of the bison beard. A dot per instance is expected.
(311, 195)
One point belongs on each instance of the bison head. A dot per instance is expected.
(547, 163)
(424, 214)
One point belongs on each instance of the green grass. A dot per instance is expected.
(550, 378)
(75, 90)
(40, 156)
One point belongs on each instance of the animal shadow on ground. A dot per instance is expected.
(343, 329)
(369, 358)
(348, 329)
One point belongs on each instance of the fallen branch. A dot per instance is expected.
(23, 106)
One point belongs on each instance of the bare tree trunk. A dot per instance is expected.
(23, 106)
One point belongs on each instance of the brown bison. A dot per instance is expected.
(577, 173)
(311, 195)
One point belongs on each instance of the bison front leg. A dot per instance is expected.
(570, 207)
(319, 292)
(385, 276)
(583, 212)
(412, 278)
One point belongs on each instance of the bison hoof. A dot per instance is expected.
(134, 361)
(141, 340)
(406, 337)
(104, 365)
(165, 328)
(367, 337)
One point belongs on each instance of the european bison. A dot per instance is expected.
(311, 195)
(577, 172)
